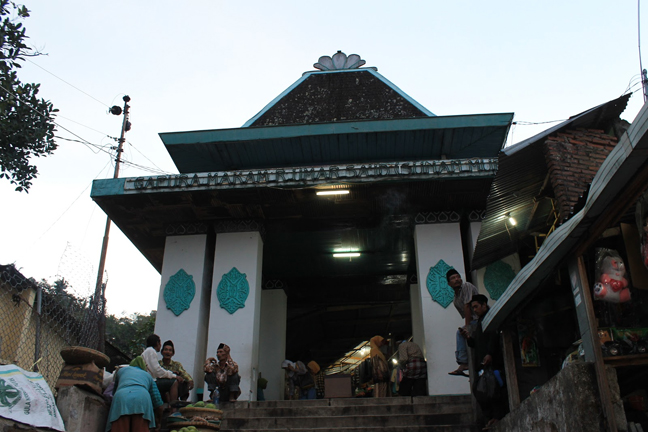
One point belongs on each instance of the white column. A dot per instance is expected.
(433, 243)
(239, 330)
(188, 331)
(272, 341)
(475, 227)
(418, 331)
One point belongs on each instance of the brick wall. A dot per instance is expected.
(573, 158)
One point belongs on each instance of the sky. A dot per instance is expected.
(198, 65)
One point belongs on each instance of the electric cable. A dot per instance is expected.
(74, 87)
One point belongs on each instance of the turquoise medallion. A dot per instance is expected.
(179, 292)
(437, 284)
(497, 278)
(233, 290)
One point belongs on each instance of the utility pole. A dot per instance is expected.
(100, 288)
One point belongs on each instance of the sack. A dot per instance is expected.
(487, 387)
(380, 370)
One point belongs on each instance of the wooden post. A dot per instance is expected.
(511, 373)
(589, 335)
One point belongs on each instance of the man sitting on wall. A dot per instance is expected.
(167, 381)
(488, 355)
(464, 292)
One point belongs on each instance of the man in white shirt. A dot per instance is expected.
(167, 381)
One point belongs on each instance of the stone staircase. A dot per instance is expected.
(397, 414)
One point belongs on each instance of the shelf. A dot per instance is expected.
(626, 360)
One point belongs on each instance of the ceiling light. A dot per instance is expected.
(346, 254)
(394, 361)
(511, 219)
(334, 192)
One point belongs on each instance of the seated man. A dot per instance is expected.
(222, 374)
(463, 293)
(167, 381)
(185, 386)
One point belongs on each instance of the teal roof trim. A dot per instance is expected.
(402, 93)
(108, 187)
(308, 74)
(423, 138)
(321, 129)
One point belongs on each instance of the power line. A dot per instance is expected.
(526, 123)
(74, 87)
(83, 140)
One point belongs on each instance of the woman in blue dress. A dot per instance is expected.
(135, 398)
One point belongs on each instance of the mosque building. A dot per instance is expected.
(329, 217)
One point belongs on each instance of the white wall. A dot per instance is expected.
(239, 330)
(436, 242)
(418, 331)
(512, 260)
(272, 341)
(188, 330)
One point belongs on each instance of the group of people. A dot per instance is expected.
(141, 387)
(487, 354)
(303, 381)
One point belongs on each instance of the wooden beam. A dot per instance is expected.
(511, 372)
(589, 335)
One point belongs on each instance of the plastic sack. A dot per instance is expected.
(487, 387)
(611, 284)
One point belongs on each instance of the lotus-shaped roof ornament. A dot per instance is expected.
(339, 61)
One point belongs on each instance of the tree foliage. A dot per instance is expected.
(129, 333)
(26, 122)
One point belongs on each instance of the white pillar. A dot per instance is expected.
(272, 341)
(475, 227)
(418, 331)
(437, 242)
(188, 331)
(240, 329)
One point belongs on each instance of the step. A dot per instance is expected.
(375, 421)
(349, 410)
(437, 428)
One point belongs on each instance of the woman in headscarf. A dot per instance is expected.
(223, 374)
(414, 370)
(291, 379)
(135, 397)
(380, 369)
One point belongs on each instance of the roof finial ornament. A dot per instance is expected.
(339, 61)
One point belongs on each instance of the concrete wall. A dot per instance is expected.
(437, 242)
(566, 403)
(272, 341)
(188, 330)
(239, 330)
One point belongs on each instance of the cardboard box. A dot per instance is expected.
(87, 375)
(338, 386)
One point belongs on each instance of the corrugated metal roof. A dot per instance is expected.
(620, 168)
(518, 188)
(452, 137)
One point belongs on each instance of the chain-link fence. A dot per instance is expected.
(39, 318)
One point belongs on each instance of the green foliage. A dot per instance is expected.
(129, 333)
(26, 122)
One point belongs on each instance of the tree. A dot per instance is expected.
(26, 122)
(129, 333)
